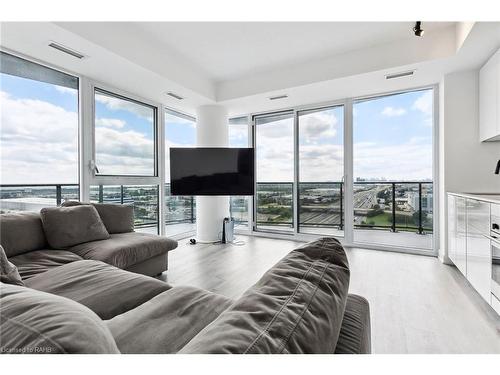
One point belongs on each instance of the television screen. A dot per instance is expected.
(211, 171)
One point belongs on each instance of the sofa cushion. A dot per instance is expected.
(125, 249)
(69, 226)
(35, 322)
(296, 307)
(8, 271)
(168, 321)
(106, 290)
(117, 218)
(35, 262)
(21, 232)
(355, 334)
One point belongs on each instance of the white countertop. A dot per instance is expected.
(492, 198)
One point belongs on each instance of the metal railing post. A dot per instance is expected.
(192, 209)
(420, 227)
(393, 227)
(101, 194)
(121, 194)
(341, 207)
(58, 195)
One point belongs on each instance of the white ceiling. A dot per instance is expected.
(224, 51)
(240, 65)
(231, 50)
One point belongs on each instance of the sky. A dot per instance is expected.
(39, 137)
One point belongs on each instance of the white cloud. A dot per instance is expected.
(66, 90)
(321, 163)
(424, 103)
(238, 135)
(116, 104)
(124, 152)
(39, 142)
(411, 160)
(317, 125)
(170, 118)
(110, 123)
(393, 112)
(320, 160)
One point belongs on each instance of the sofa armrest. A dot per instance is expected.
(355, 333)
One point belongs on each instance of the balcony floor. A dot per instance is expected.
(361, 236)
(370, 236)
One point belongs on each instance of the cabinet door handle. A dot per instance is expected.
(494, 239)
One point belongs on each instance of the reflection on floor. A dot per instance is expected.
(371, 236)
(418, 305)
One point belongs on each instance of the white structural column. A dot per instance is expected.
(211, 131)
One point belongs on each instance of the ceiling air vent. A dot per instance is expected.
(400, 74)
(174, 96)
(67, 50)
(284, 96)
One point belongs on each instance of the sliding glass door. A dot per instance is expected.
(393, 170)
(321, 169)
(274, 156)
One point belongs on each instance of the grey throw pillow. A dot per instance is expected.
(117, 218)
(8, 271)
(69, 226)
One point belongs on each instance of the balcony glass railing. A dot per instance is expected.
(395, 206)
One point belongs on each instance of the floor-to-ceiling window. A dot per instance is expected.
(274, 149)
(180, 211)
(393, 169)
(391, 201)
(238, 137)
(125, 150)
(321, 169)
(39, 135)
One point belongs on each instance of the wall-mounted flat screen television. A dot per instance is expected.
(211, 171)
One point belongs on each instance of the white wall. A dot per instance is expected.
(465, 165)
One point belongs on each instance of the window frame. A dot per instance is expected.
(182, 115)
(135, 100)
(246, 228)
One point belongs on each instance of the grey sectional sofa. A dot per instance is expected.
(301, 305)
(26, 240)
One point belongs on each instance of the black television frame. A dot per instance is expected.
(251, 150)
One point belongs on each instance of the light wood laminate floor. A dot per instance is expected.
(418, 304)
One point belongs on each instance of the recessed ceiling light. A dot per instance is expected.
(284, 96)
(173, 95)
(66, 50)
(400, 74)
(418, 29)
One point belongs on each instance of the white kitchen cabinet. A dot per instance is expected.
(457, 240)
(478, 247)
(489, 99)
(461, 242)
